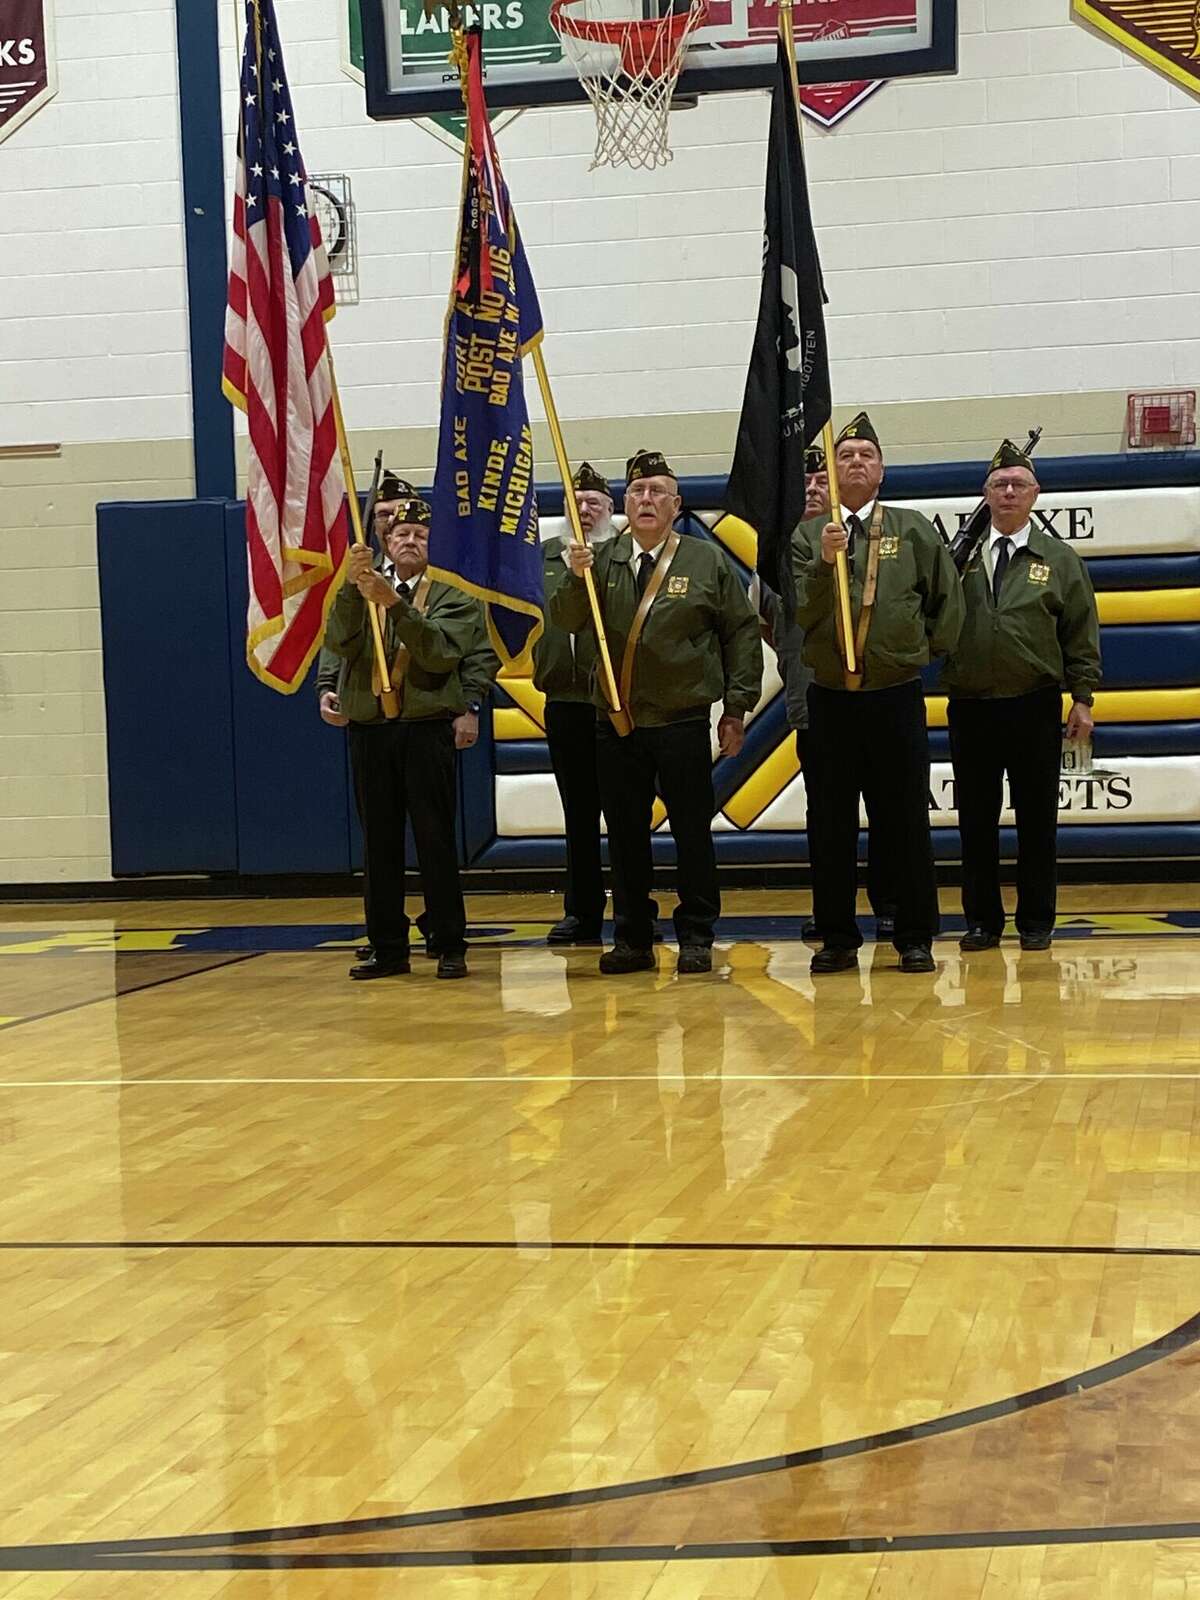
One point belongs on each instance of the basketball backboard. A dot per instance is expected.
(408, 73)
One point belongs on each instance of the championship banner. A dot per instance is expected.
(27, 76)
(1164, 33)
(484, 534)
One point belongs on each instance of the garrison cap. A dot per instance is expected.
(648, 464)
(413, 506)
(814, 459)
(859, 427)
(1010, 455)
(588, 478)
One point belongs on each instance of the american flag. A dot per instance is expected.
(280, 296)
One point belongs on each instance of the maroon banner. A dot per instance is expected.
(27, 78)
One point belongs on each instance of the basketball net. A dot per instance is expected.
(628, 68)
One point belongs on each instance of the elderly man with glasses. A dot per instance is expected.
(1031, 630)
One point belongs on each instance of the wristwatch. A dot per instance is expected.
(474, 707)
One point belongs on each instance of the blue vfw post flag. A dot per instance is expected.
(484, 535)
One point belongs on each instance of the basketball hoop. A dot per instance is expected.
(629, 69)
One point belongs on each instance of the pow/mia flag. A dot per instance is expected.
(787, 398)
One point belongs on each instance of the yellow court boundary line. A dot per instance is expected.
(857, 1079)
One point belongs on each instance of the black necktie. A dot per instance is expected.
(403, 590)
(645, 568)
(1003, 555)
(854, 530)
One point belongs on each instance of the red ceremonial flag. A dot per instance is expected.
(280, 297)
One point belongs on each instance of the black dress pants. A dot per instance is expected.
(571, 736)
(1022, 736)
(881, 889)
(406, 771)
(871, 744)
(677, 760)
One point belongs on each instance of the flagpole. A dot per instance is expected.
(841, 567)
(387, 695)
(571, 507)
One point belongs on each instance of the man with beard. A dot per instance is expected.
(562, 670)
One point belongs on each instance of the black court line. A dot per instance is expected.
(680, 1246)
(134, 988)
(183, 1552)
(746, 1550)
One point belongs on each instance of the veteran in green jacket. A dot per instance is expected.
(683, 636)
(1031, 632)
(441, 666)
(562, 670)
(867, 736)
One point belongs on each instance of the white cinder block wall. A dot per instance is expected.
(1019, 244)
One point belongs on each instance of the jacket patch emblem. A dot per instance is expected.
(889, 546)
(1039, 572)
(677, 585)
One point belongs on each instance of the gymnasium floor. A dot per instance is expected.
(887, 1287)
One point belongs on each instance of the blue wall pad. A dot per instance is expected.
(1144, 572)
(166, 683)
(293, 796)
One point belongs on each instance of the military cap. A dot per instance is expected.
(413, 506)
(647, 464)
(588, 478)
(859, 427)
(814, 459)
(1009, 455)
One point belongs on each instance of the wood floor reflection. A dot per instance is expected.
(279, 1251)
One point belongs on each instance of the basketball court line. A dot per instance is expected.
(228, 1550)
(675, 1246)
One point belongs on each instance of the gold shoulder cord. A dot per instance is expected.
(870, 583)
(419, 602)
(639, 620)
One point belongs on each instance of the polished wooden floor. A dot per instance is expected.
(736, 1286)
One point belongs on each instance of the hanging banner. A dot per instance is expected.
(27, 76)
(1164, 33)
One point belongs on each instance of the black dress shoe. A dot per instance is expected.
(831, 960)
(917, 958)
(1035, 941)
(365, 952)
(572, 930)
(885, 927)
(694, 958)
(454, 966)
(624, 958)
(979, 939)
(377, 966)
(809, 930)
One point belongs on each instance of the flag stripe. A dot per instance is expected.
(274, 366)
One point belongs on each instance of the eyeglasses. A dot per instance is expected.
(646, 491)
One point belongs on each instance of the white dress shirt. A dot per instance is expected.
(638, 553)
(1016, 541)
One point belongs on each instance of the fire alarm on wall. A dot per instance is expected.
(1163, 421)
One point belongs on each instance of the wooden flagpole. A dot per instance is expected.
(617, 712)
(388, 698)
(841, 567)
